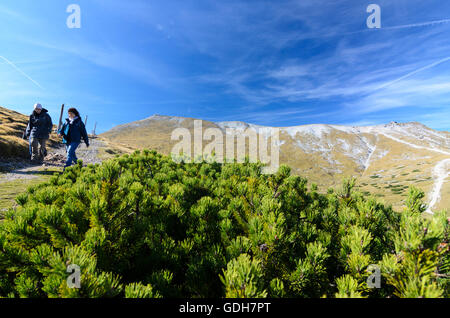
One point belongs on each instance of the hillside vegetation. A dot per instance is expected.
(141, 225)
(12, 126)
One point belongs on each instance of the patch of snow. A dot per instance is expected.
(234, 127)
(424, 135)
(161, 117)
(178, 119)
(371, 152)
(350, 129)
(314, 130)
(344, 144)
(441, 171)
(415, 146)
(382, 154)
(233, 124)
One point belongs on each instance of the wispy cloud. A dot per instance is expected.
(111, 57)
(6, 12)
(20, 71)
(408, 93)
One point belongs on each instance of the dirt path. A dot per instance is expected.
(88, 155)
(21, 173)
(28, 173)
(55, 159)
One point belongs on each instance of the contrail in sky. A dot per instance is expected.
(20, 71)
(417, 24)
(415, 72)
(397, 27)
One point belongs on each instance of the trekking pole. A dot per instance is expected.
(85, 120)
(60, 117)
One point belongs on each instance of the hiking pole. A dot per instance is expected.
(85, 120)
(60, 117)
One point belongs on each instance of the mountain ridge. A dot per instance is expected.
(386, 158)
(181, 118)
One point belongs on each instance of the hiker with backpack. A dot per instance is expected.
(72, 131)
(38, 132)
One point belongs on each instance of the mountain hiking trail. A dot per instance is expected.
(18, 175)
(55, 159)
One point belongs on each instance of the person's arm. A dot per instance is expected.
(28, 130)
(50, 124)
(84, 134)
(61, 130)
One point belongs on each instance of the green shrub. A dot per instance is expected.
(142, 225)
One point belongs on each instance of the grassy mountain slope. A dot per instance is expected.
(386, 159)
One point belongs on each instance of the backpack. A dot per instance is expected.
(64, 132)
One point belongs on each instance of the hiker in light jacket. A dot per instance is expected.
(38, 132)
(72, 131)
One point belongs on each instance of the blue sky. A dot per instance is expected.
(278, 63)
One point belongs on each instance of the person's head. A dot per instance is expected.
(73, 112)
(38, 108)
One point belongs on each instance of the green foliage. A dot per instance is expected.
(142, 226)
(137, 290)
(348, 287)
(243, 278)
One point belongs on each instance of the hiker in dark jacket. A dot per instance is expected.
(38, 132)
(72, 131)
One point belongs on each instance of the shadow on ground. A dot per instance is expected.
(36, 172)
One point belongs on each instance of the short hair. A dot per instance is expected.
(74, 111)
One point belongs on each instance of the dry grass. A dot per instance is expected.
(12, 126)
(111, 149)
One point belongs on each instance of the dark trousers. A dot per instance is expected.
(38, 149)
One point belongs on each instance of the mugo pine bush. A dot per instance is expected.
(142, 225)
